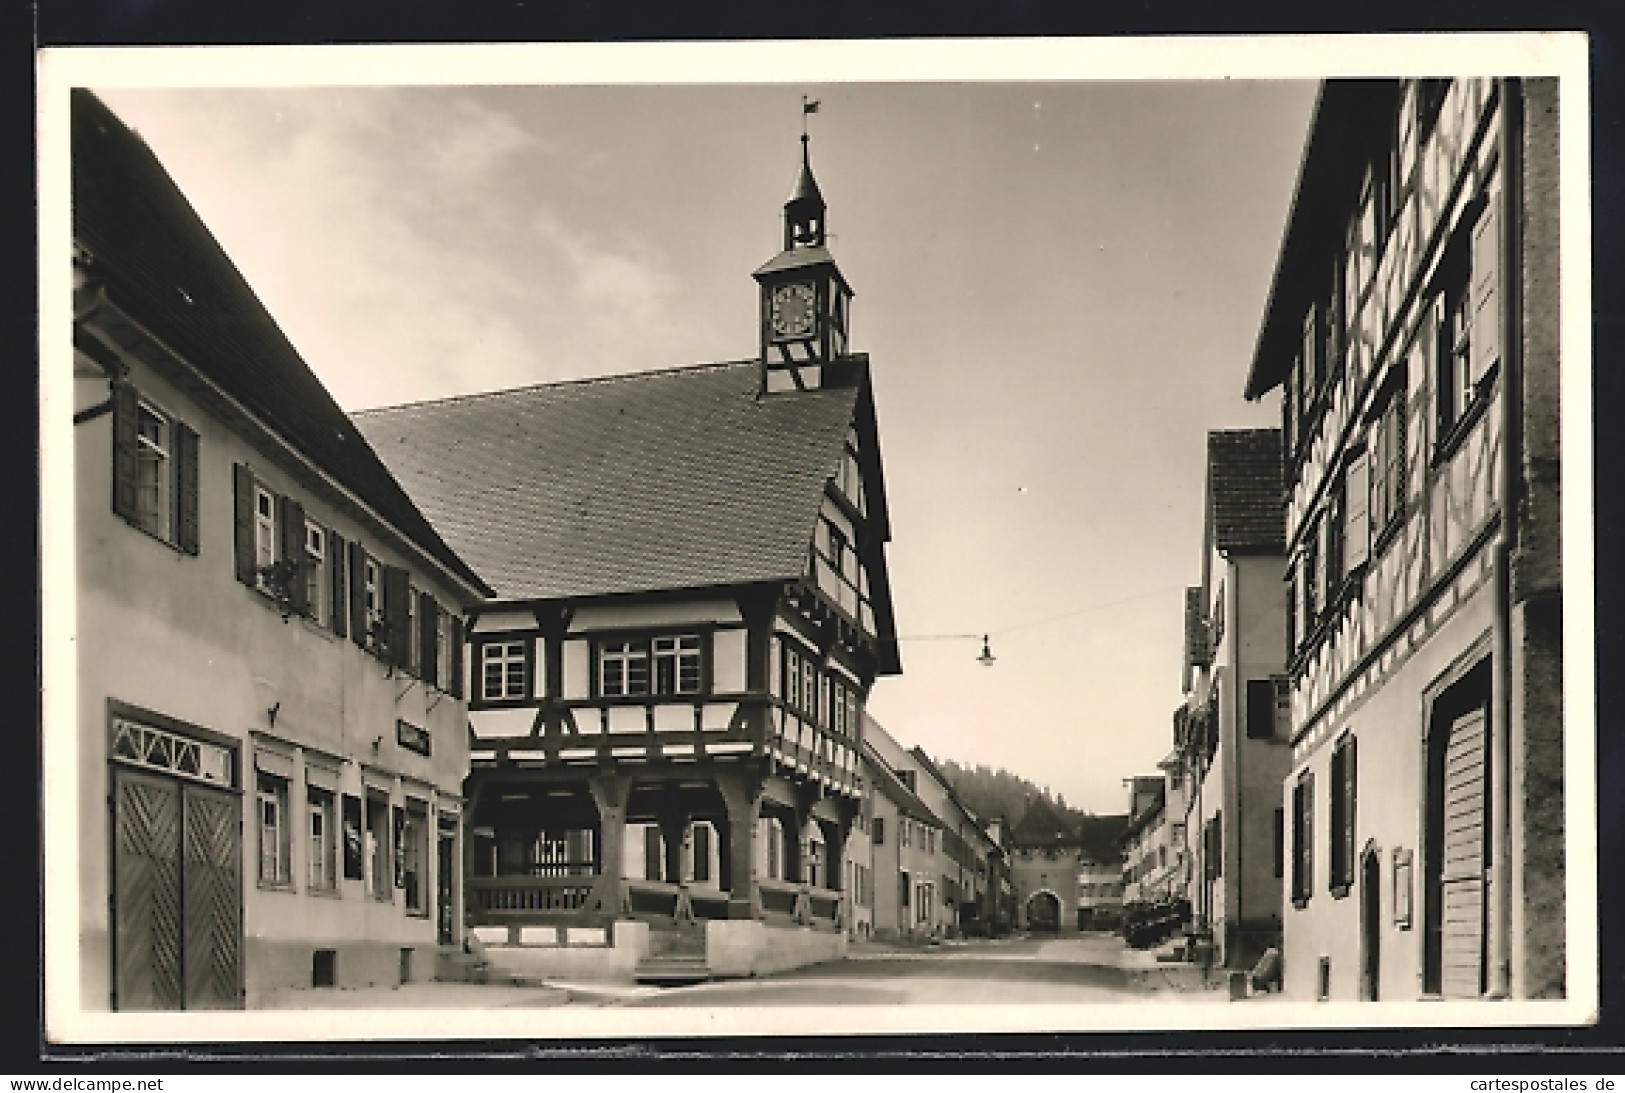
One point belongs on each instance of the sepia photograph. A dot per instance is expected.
(816, 538)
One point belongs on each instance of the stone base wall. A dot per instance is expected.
(272, 965)
(741, 948)
(612, 963)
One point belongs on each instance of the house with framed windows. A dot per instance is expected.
(272, 734)
(1411, 331)
(1154, 866)
(692, 608)
(1231, 734)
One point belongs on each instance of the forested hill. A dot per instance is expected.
(992, 794)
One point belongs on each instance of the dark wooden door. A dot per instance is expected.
(177, 895)
(445, 877)
(1370, 925)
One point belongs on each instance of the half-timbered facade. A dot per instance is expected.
(693, 605)
(1411, 330)
(272, 739)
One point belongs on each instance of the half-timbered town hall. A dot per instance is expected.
(666, 695)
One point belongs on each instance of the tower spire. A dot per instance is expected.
(804, 212)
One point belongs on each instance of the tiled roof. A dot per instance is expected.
(682, 478)
(1245, 490)
(162, 267)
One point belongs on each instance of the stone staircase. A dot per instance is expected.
(676, 956)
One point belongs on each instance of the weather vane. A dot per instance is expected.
(808, 106)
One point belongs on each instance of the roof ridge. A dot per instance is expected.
(580, 381)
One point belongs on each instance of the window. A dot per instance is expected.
(802, 684)
(677, 664)
(413, 657)
(264, 536)
(321, 848)
(1387, 460)
(502, 671)
(624, 666)
(155, 470)
(1260, 709)
(415, 858)
(442, 654)
(1303, 843)
(1313, 578)
(1341, 877)
(275, 858)
(1468, 313)
(381, 877)
(877, 831)
(317, 575)
(372, 599)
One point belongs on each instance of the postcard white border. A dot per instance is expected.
(1561, 54)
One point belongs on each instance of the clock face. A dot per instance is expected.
(792, 310)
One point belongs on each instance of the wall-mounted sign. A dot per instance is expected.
(1402, 888)
(411, 737)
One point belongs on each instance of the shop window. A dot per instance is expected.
(380, 868)
(322, 847)
(415, 858)
(271, 794)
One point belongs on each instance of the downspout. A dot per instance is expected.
(1502, 789)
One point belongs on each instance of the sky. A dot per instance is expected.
(1059, 285)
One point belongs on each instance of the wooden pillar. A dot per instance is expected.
(742, 798)
(673, 827)
(609, 793)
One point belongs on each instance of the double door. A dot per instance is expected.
(177, 894)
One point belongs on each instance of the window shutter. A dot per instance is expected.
(1308, 835)
(242, 481)
(428, 635)
(337, 557)
(1322, 563)
(358, 595)
(1195, 629)
(290, 519)
(186, 488)
(397, 587)
(1356, 511)
(456, 656)
(1348, 791)
(1485, 348)
(1293, 601)
(126, 412)
(398, 843)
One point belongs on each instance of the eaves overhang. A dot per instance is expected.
(1350, 121)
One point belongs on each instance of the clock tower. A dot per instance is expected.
(805, 302)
